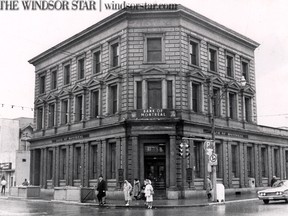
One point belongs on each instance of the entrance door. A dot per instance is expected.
(155, 165)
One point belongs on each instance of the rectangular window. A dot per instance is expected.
(244, 65)
(94, 153)
(235, 161)
(77, 163)
(79, 108)
(219, 169)
(250, 161)
(232, 106)
(198, 159)
(42, 84)
(50, 165)
(111, 159)
(95, 106)
(54, 79)
(63, 164)
(115, 54)
(154, 49)
(264, 161)
(169, 94)
(154, 94)
(212, 60)
(64, 111)
(40, 118)
(193, 51)
(81, 68)
(139, 94)
(286, 164)
(51, 113)
(97, 61)
(216, 102)
(66, 74)
(113, 99)
(195, 97)
(276, 164)
(229, 65)
(248, 112)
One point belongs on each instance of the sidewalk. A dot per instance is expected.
(161, 203)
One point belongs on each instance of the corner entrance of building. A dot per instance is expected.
(155, 165)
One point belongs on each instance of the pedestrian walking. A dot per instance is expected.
(101, 188)
(127, 190)
(149, 192)
(209, 188)
(3, 185)
(136, 188)
(273, 180)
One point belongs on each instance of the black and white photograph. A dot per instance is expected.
(149, 108)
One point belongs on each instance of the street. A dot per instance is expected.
(15, 207)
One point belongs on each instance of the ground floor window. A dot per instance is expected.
(264, 161)
(111, 160)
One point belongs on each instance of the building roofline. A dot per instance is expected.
(115, 17)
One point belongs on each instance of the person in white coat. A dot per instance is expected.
(149, 194)
(127, 189)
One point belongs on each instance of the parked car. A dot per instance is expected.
(279, 191)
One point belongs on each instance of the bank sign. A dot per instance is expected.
(5, 166)
(154, 114)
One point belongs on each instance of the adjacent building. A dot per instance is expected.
(14, 149)
(118, 98)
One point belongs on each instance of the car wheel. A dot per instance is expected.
(266, 201)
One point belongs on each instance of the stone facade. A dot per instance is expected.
(118, 98)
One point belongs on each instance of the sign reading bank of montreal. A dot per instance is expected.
(154, 113)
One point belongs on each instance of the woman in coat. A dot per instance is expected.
(127, 189)
(149, 193)
(136, 188)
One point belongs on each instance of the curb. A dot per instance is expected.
(131, 206)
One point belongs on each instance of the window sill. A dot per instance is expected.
(114, 68)
(194, 66)
(153, 63)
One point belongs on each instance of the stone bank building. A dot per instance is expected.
(119, 97)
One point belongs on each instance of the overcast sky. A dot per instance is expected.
(25, 34)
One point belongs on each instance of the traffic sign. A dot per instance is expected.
(213, 159)
(209, 144)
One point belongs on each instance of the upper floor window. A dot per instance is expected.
(245, 69)
(113, 99)
(154, 49)
(212, 59)
(216, 102)
(96, 61)
(229, 65)
(248, 109)
(139, 94)
(95, 105)
(195, 97)
(154, 94)
(194, 52)
(42, 83)
(64, 111)
(40, 117)
(79, 112)
(51, 115)
(232, 106)
(54, 79)
(115, 54)
(169, 94)
(67, 74)
(81, 68)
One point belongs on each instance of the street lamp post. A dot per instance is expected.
(212, 102)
